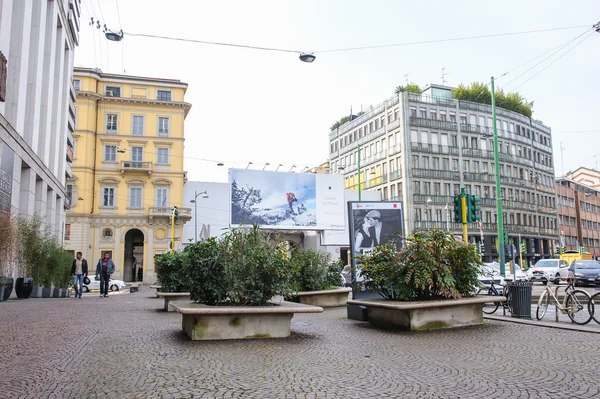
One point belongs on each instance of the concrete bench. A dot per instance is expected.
(133, 287)
(173, 296)
(203, 322)
(157, 288)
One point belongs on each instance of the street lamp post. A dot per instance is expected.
(194, 201)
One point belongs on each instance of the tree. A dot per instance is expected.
(480, 93)
(345, 119)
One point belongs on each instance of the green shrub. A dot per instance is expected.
(313, 271)
(432, 265)
(171, 272)
(243, 267)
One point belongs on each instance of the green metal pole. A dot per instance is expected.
(498, 193)
(358, 172)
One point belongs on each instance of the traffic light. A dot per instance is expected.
(523, 247)
(581, 250)
(473, 208)
(457, 209)
(481, 247)
(175, 213)
(556, 250)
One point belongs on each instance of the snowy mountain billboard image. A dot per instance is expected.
(286, 200)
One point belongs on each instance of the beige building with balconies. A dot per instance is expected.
(127, 169)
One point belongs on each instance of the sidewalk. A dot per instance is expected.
(549, 320)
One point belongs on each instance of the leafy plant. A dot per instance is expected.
(243, 267)
(171, 272)
(411, 88)
(345, 119)
(8, 243)
(313, 271)
(480, 93)
(432, 265)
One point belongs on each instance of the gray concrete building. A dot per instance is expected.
(37, 113)
(423, 148)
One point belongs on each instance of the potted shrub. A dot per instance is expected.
(171, 274)
(58, 268)
(233, 282)
(8, 241)
(317, 280)
(32, 255)
(425, 285)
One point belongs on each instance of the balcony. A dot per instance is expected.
(67, 203)
(397, 174)
(479, 177)
(70, 155)
(430, 123)
(435, 199)
(471, 152)
(185, 214)
(136, 166)
(434, 148)
(436, 174)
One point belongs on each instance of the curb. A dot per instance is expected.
(560, 326)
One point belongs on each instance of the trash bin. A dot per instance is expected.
(520, 298)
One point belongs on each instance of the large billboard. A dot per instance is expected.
(290, 201)
(373, 224)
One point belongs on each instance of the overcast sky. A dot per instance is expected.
(262, 106)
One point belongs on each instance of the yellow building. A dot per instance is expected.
(127, 169)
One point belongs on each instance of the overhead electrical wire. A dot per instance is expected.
(352, 48)
(562, 55)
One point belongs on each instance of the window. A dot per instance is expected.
(108, 199)
(137, 125)
(67, 231)
(107, 233)
(70, 192)
(135, 197)
(137, 154)
(162, 196)
(77, 84)
(162, 156)
(163, 127)
(111, 123)
(112, 91)
(163, 95)
(110, 153)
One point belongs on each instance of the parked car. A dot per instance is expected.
(585, 272)
(549, 270)
(113, 285)
(488, 273)
(521, 275)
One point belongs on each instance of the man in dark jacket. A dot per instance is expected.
(104, 269)
(79, 269)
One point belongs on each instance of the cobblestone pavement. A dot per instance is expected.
(125, 347)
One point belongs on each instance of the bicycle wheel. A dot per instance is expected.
(542, 306)
(593, 305)
(491, 307)
(508, 304)
(577, 307)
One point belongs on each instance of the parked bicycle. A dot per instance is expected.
(576, 304)
(492, 290)
(592, 306)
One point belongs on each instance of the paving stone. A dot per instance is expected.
(126, 347)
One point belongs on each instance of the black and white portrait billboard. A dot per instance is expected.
(375, 223)
(372, 224)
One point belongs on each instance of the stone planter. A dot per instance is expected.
(44, 292)
(425, 315)
(6, 287)
(325, 298)
(24, 287)
(203, 322)
(173, 296)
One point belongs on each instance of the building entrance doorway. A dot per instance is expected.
(133, 267)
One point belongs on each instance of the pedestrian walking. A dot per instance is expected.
(104, 269)
(79, 269)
